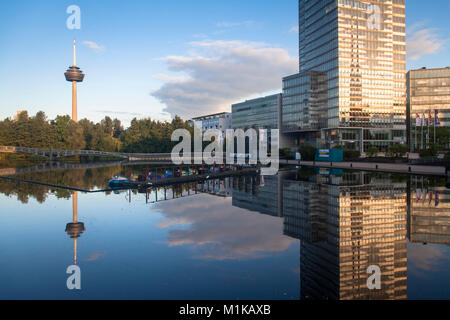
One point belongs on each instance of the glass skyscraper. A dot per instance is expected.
(360, 48)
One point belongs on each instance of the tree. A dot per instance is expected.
(117, 128)
(398, 150)
(372, 151)
(107, 126)
(308, 152)
(144, 135)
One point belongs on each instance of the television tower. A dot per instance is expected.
(74, 229)
(74, 75)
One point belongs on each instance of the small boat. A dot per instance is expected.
(168, 175)
(214, 170)
(118, 180)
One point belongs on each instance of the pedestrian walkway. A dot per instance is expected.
(380, 167)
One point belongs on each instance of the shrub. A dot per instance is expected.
(285, 153)
(427, 153)
(372, 152)
(398, 150)
(308, 152)
(351, 154)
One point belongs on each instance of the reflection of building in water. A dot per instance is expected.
(218, 187)
(429, 217)
(345, 225)
(258, 193)
(75, 228)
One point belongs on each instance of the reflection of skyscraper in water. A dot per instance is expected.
(345, 225)
(75, 228)
(219, 187)
(258, 193)
(429, 214)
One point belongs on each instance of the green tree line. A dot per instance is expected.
(143, 135)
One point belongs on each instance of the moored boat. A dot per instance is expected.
(118, 180)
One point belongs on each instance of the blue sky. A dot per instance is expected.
(152, 58)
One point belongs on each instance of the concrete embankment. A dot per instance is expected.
(379, 167)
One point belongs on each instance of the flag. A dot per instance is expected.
(418, 194)
(430, 119)
(424, 119)
(418, 120)
(436, 199)
(437, 122)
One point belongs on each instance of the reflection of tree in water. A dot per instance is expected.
(82, 179)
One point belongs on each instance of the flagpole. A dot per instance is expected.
(415, 140)
(428, 134)
(435, 122)
(421, 136)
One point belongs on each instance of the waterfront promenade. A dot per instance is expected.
(166, 158)
(371, 166)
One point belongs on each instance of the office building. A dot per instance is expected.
(428, 93)
(360, 48)
(305, 106)
(260, 113)
(220, 121)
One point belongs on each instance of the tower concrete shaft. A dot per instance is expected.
(74, 102)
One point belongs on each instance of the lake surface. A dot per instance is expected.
(306, 234)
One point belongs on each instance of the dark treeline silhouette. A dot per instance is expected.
(143, 135)
(87, 179)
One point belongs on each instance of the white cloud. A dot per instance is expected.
(93, 46)
(294, 29)
(218, 231)
(220, 73)
(422, 41)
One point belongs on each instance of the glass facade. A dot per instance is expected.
(428, 90)
(346, 224)
(258, 194)
(429, 218)
(360, 47)
(261, 113)
(305, 99)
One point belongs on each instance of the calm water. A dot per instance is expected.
(299, 235)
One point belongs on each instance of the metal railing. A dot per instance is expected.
(65, 153)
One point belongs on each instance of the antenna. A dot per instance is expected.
(74, 54)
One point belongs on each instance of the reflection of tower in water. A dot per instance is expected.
(75, 228)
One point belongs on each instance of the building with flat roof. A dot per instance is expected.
(305, 105)
(220, 121)
(260, 113)
(360, 48)
(428, 93)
